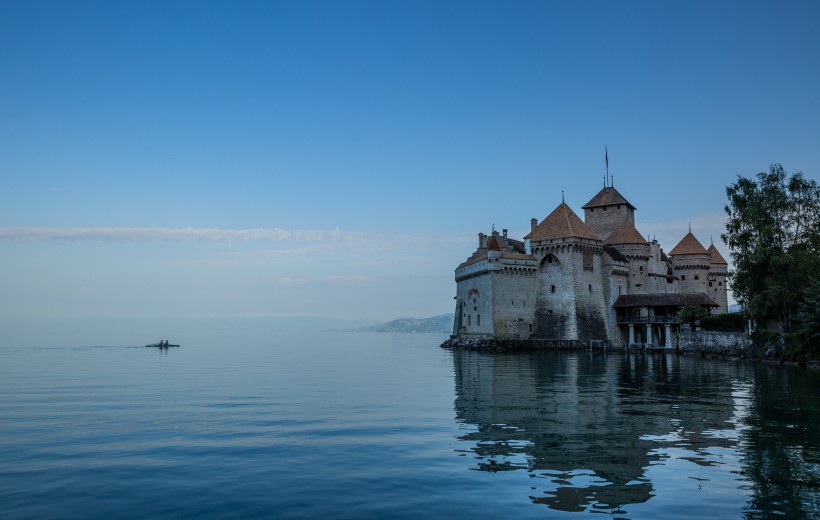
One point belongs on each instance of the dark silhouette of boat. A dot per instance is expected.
(162, 344)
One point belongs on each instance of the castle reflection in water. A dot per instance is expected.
(587, 427)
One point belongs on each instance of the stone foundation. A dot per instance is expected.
(479, 343)
(715, 343)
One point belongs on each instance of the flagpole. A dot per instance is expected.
(606, 159)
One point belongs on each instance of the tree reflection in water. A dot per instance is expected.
(591, 429)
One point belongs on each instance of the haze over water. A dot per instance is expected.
(248, 419)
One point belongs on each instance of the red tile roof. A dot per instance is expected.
(607, 197)
(625, 234)
(479, 255)
(717, 258)
(689, 245)
(561, 223)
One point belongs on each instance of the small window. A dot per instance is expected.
(604, 208)
(697, 277)
(619, 206)
(683, 277)
(720, 283)
(588, 262)
(641, 269)
(470, 320)
(590, 287)
(710, 284)
(552, 288)
(530, 327)
(478, 320)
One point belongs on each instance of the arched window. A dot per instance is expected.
(478, 320)
(469, 320)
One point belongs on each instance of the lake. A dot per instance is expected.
(249, 420)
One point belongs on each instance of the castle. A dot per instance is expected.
(596, 280)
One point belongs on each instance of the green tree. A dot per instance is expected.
(773, 233)
(810, 311)
(691, 314)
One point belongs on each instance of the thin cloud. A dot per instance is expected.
(154, 234)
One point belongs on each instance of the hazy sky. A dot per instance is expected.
(338, 158)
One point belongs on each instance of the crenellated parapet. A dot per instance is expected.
(565, 245)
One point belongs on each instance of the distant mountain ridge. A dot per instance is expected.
(442, 323)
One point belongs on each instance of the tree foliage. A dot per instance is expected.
(691, 314)
(731, 322)
(810, 310)
(773, 233)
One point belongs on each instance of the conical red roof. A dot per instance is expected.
(689, 245)
(717, 258)
(608, 196)
(561, 223)
(625, 234)
(493, 244)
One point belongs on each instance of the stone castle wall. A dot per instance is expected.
(474, 296)
(693, 271)
(589, 303)
(513, 303)
(714, 343)
(717, 287)
(605, 220)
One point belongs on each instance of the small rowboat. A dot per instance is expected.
(161, 344)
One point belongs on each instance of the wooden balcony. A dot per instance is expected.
(647, 320)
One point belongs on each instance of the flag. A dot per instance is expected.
(606, 157)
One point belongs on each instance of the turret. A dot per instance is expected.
(569, 299)
(690, 262)
(718, 270)
(606, 211)
(632, 245)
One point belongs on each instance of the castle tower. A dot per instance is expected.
(690, 261)
(718, 269)
(495, 290)
(631, 244)
(569, 301)
(606, 211)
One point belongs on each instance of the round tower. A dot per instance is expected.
(629, 242)
(718, 270)
(569, 296)
(690, 262)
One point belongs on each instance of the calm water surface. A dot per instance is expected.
(254, 422)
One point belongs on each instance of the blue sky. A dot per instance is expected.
(339, 158)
